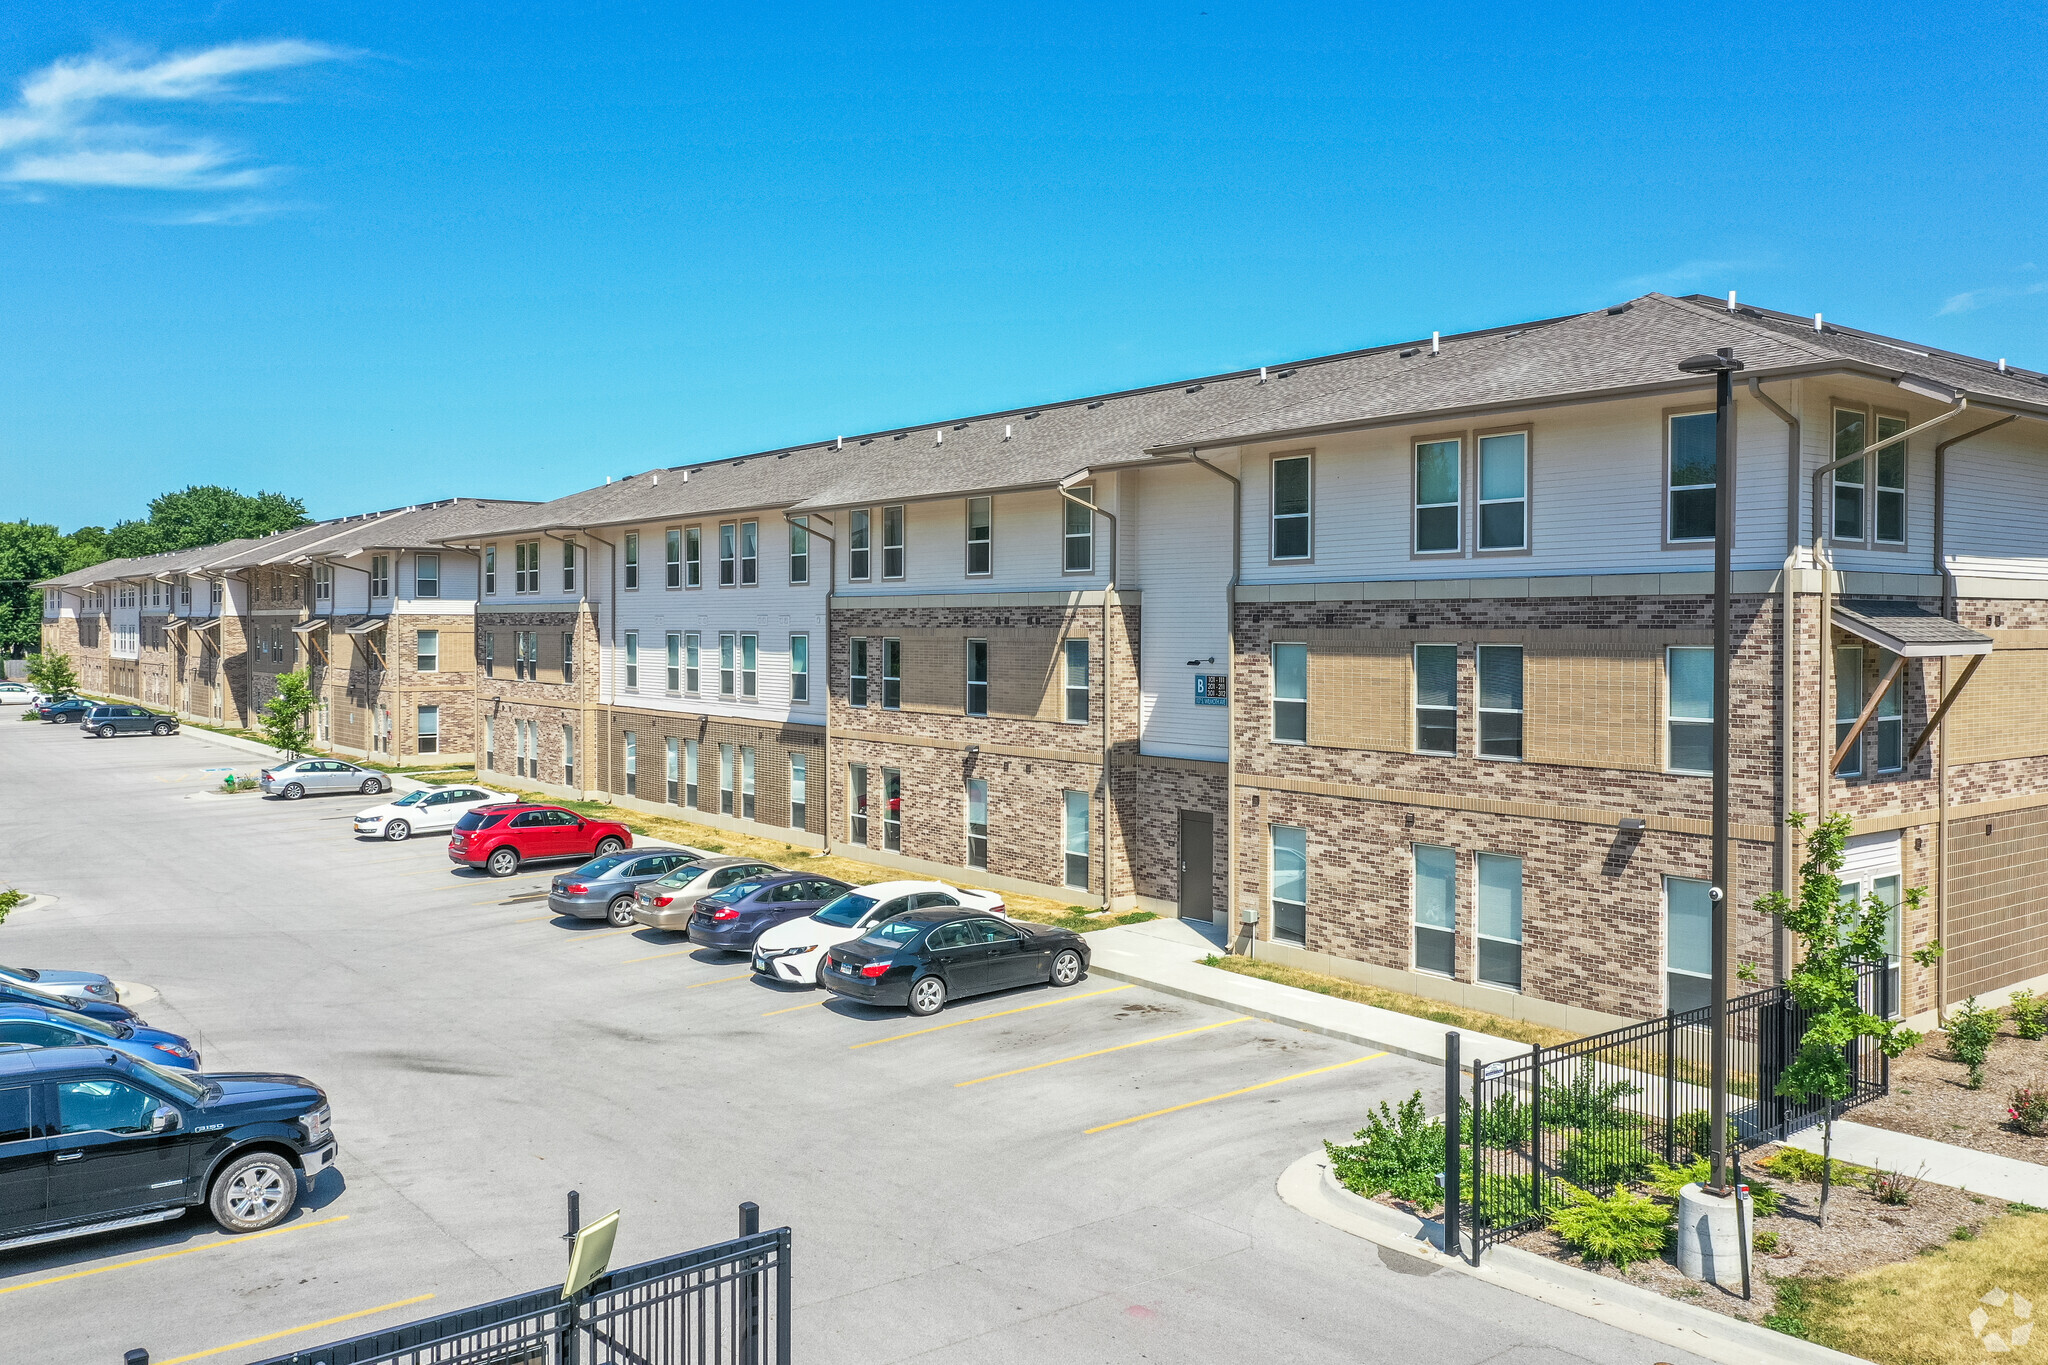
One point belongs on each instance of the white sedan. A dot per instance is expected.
(790, 952)
(425, 811)
(16, 694)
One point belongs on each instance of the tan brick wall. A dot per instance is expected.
(1594, 708)
(1360, 693)
(772, 746)
(2003, 713)
(1998, 900)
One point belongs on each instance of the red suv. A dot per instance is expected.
(499, 838)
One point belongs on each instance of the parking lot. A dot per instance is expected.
(1073, 1175)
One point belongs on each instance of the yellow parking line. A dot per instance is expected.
(1246, 1090)
(792, 1009)
(168, 1255)
(293, 1331)
(1043, 1004)
(1102, 1051)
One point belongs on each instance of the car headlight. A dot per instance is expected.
(368, 819)
(187, 1053)
(98, 988)
(316, 1123)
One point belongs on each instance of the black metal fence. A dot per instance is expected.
(1593, 1113)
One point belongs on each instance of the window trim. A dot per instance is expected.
(1664, 977)
(1527, 431)
(967, 812)
(1480, 710)
(750, 562)
(1479, 935)
(1273, 649)
(969, 542)
(1416, 506)
(1861, 409)
(1087, 853)
(569, 566)
(630, 553)
(672, 557)
(902, 545)
(860, 538)
(568, 656)
(693, 663)
(1067, 688)
(1273, 901)
(892, 671)
(673, 644)
(693, 556)
(750, 674)
(1415, 699)
(800, 675)
(1876, 490)
(1273, 463)
(380, 578)
(967, 698)
(799, 532)
(1879, 719)
(1664, 474)
(420, 656)
(728, 554)
(629, 662)
(1086, 493)
(858, 663)
(1414, 909)
(728, 664)
(1671, 718)
(1855, 754)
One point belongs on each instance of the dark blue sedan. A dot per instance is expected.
(732, 918)
(18, 993)
(34, 1026)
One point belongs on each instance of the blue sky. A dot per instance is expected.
(508, 250)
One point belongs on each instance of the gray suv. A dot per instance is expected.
(108, 721)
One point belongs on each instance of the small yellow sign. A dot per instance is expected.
(591, 1255)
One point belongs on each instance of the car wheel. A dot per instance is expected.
(620, 911)
(927, 996)
(106, 732)
(294, 790)
(609, 845)
(162, 727)
(502, 863)
(254, 1192)
(1066, 967)
(397, 831)
(371, 786)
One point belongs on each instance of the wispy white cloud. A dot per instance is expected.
(1970, 300)
(64, 128)
(1687, 275)
(231, 214)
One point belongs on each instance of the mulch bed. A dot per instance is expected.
(1928, 1099)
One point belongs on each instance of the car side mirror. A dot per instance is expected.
(165, 1119)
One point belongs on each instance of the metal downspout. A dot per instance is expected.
(1788, 708)
(831, 589)
(1108, 692)
(583, 735)
(1230, 701)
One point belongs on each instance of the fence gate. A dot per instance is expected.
(1594, 1112)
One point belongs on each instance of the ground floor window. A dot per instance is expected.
(1077, 839)
(857, 802)
(892, 810)
(747, 781)
(1290, 883)
(1436, 910)
(977, 822)
(1688, 944)
(690, 773)
(672, 769)
(1500, 920)
(490, 744)
(429, 731)
(725, 779)
(632, 763)
(1886, 889)
(796, 791)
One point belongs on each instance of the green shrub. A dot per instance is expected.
(2029, 1015)
(8, 900)
(1972, 1030)
(1620, 1229)
(1894, 1187)
(1764, 1240)
(2029, 1109)
(1584, 1102)
(1796, 1163)
(1398, 1152)
(1502, 1201)
(1669, 1180)
(1692, 1131)
(1604, 1157)
(1504, 1123)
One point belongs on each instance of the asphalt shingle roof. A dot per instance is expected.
(1906, 628)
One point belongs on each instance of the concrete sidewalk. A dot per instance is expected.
(1166, 955)
(2002, 1177)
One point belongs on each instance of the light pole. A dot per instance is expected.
(1722, 365)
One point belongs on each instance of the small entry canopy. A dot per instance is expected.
(364, 627)
(308, 627)
(1906, 630)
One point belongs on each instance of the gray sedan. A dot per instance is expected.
(669, 902)
(83, 987)
(318, 776)
(603, 887)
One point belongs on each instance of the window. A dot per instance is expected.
(632, 763)
(529, 653)
(426, 576)
(727, 647)
(632, 658)
(799, 550)
(632, 565)
(675, 559)
(1290, 883)
(427, 651)
(1291, 494)
(1891, 485)
(1290, 694)
(323, 585)
(690, 773)
(977, 822)
(1436, 699)
(980, 536)
(750, 658)
(675, 661)
(892, 675)
(799, 668)
(693, 557)
(489, 654)
(490, 744)
(185, 591)
(1079, 554)
(671, 768)
(1504, 491)
(747, 781)
(1076, 843)
(430, 730)
(692, 673)
(857, 802)
(215, 592)
(1848, 706)
(568, 656)
(797, 804)
(1436, 910)
(1886, 889)
(1500, 701)
(1688, 944)
(1690, 464)
(1848, 509)
(1891, 725)
(1689, 704)
(1500, 920)
(490, 569)
(1437, 496)
(892, 810)
(1077, 680)
(728, 555)
(568, 566)
(977, 677)
(892, 541)
(529, 566)
(569, 755)
(750, 553)
(857, 545)
(725, 779)
(857, 672)
(380, 575)
(98, 1106)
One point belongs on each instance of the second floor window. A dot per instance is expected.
(1291, 494)
(427, 651)
(1891, 483)
(632, 559)
(323, 585)
(1500, 701)
(728, 647)
(1290, 694)
(980, 536)
(675, 559)
(892, 541)
(691, 673)
(892, 675)
(1436, 699)
(490, 569)
(568, 656)
(977, 677)
(1078, 554)
(1437, 496)
(1690, 463)
(750, 661)
(750, 553)
(1689, 705)
(693, 557)
(568, 566)
(1848, 503)
(799, 668)
(426, 576)
(728, 555)
(857, 672)
(526, 566)
(1504, 491)
(1077, 680)
(799, 551)
(857, 545)
(675, 661)
(632, 658)
(380, 576)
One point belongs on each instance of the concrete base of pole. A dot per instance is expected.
(1709, 1238)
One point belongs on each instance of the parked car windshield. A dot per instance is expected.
(683, 876)
(411, 798)
(91, 1025)
(738, 891)
(479, 819)
(845, 912)
(895, 933)
(181, 1082)
(597, 867)
(25, 973)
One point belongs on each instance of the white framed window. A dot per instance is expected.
(750, 553)
(1438, 496)
(1436, 699)
(1500, 701)
(632, 659)
(892, 541)
(690, 773)
(426, 575)
(728, 555)
(569, 755)
(798, 805)
(1890, 527)
(675, 661)
(725, 779)
(857, 803)
(632, 560)
(857, 671)
(428, 729)
(892, 809)
(672, 767)
(1078, 556)
(977, 823)
(799, 668)
(693, 557)
(1846, 519)
(380, 576)
(892, 675)
(490, 570)
(857, 545)
(568, 566)
(675, 558)
(977, 677)
(490, 744)
(799, 551)
(692, 674)
(1689, 709)
(1688, 944)
(728, 663)
(632, 763)
(1290, 694)
(427, 651)
(1890, 723)
(1504, 491)
(981, 528)
(746, 781)
(1848, 706)
(1077, 681)
(323, 585)
(487, 654)
(1076, 830)
(750, 665)
(1293, 492)
(1690, 462)
(1290, 883)
(1436, 910)
(568, 656)
(1499, 920)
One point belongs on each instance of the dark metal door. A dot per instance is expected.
(1197, 866)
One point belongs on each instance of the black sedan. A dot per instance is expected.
(922, 959)
(733, 917)
(68, 709)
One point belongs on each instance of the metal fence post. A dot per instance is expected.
(782, 1301)
(138, 1356)
(1477, 1208)
(566, 1344)
(1536, 1128)
(1885, 1006)
(750, 1290)
(1670, 1085)
(1451, 1211)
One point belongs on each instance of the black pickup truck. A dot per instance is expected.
(91, 1141)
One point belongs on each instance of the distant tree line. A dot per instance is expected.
(204, 514)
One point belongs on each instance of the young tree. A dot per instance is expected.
(1834, 937)
(283, 721)
(52, 675)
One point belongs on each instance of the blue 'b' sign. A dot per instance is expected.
(1212, 689)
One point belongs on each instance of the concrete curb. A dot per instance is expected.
(34, 902)
(1309, 1187)
(1269, 1016)
(133, 994)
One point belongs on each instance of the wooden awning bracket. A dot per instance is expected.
(1869, 709)
(1941, 712)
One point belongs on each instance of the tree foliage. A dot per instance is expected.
(283, 718)
(28, 551)
(203, 514)
(52, 675)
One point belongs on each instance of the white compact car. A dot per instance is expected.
(424, 812)
(16, 694)
(790, 952)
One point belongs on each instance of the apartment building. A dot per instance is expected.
(1396, 663)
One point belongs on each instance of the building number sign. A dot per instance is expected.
(1212, 689)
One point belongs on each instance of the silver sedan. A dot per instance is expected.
(319, 776)
(603, 887)
(83, 987)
